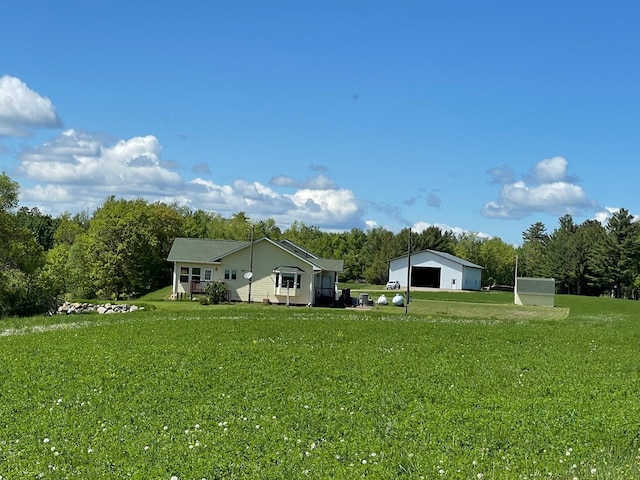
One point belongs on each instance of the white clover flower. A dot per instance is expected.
(593, 471)
(196, 426)
(364, 461)
(46, 440)
(480, 476)
(89, 450)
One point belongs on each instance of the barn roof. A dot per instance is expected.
(448, 256)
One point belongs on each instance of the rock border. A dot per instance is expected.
(69, 308)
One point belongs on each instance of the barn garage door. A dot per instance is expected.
(425, 277)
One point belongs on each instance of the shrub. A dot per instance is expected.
(216, 292)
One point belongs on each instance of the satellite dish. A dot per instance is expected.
(248, 275)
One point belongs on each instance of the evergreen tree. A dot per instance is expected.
(532, 253)
(561, 256)
(615, 261)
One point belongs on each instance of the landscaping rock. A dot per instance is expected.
(68, 308)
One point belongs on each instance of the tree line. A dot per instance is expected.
(120, 250)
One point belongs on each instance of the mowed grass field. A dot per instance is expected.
(466, 386)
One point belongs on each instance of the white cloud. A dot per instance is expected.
(550, 170)
(419, 227)
(320, 207)
(76, 171)
(74, 158)
(22, 109)
(605, 215)
(551, 192)
(47, 193)
(319, 182)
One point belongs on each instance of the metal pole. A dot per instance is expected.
(406, 303)
(251, 264)
(288, 284)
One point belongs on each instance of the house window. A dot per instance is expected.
(195, 274)
(230, 274)
(286, 280)
(207, 275)
(184, 274)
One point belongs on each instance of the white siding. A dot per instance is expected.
(453, 275)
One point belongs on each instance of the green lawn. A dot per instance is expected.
(465, 387)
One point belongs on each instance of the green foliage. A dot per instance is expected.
(216, 292)
(498, 260)
(378, 249)
(253, 392)
(127, 244)
(22, 290)
(41, 226)
(9, 190)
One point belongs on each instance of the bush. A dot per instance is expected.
(216, 292)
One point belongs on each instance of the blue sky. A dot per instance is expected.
(473, 116)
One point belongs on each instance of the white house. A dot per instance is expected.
(261, 271)
(430, 268)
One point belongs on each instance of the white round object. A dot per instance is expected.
(398, 300)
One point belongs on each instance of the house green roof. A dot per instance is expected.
(202, 250)
(329, 264)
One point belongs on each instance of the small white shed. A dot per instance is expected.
(430, 268)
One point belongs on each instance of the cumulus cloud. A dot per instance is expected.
(339, 204)
(550, 170)
(80, 159)
(419, 227)
(603, 216)
(22, 109)
(551, 191)
(77, 170)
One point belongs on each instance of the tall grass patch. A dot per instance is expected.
(275, 392)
